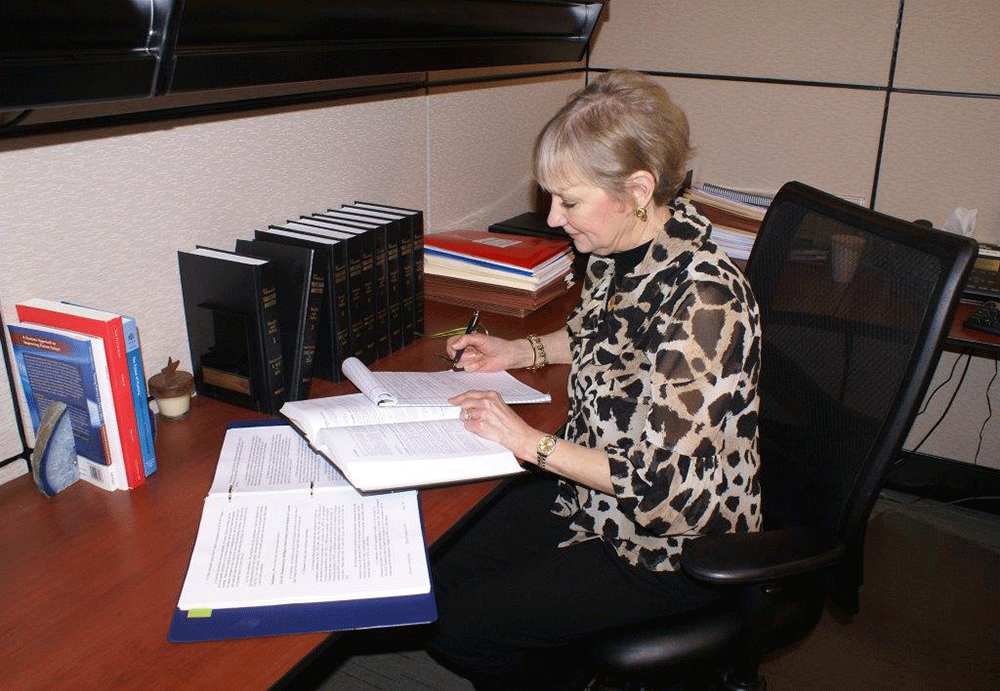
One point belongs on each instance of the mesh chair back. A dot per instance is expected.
(854, 306)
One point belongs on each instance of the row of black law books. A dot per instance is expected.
(298, 298)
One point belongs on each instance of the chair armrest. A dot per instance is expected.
(748, 558)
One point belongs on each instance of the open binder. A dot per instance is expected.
(368, 610)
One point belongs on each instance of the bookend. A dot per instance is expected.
(53, 461)
(226, 370)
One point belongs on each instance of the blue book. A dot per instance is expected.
(286, 546)
(140, 396)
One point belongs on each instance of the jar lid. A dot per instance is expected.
(171, 382)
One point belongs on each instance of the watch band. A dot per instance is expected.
(546, 445)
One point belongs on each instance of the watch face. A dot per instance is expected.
(546, 445)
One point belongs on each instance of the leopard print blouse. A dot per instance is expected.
(663, 378)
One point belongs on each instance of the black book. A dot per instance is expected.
(413, 249)
(393, 228)
(375, 238)
(301, 283)
(389, 301)
(360, 284)
(333, 317)
(231, 312)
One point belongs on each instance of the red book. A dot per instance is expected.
(519, 251)
(107, 327)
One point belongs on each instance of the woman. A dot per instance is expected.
(660, 445)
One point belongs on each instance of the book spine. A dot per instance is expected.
(326, 359)
(358, 336)
(121, 389)
(140, 396)
(383, 323)
(269, 326)
(105, 403)
(341, 316)
(325, 362)
(369, 282)
(417, 224)
(313, 310)
(407, 285)
(394, 279)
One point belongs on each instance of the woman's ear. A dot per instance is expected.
(641, 185)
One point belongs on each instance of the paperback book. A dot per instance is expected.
(64, 367)
(110, 328)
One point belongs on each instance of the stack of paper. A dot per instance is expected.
(735, 215)
(497, 272)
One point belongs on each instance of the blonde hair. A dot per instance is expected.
(621, 123)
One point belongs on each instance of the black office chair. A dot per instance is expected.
(854, 308)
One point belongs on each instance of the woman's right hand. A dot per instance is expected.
(484, 353)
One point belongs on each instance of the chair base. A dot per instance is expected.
(721, 681)
(732, 684)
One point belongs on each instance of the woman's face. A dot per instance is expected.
(594, 221)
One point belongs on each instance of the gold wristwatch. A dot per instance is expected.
(546, 445)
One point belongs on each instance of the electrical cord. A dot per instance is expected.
(930, 396)
(927, 402)
(975, 459)
(989, 408)
(909, 454)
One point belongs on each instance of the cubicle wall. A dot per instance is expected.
(823, 92)
(775, 91)
(97, 216)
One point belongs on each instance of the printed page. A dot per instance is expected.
(362, 377)
(256, 550)
(435, 388)
(357, 409)
(377, 457)
(271, 458)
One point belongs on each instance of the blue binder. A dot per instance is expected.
(279, 620)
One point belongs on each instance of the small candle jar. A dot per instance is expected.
(172, 390)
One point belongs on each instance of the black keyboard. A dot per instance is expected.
(986, 317)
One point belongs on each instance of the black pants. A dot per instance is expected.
(508, 597)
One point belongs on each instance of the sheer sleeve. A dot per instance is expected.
(668, 480)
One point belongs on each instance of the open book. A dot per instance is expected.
(435, 388)
(281, 527)
(380, 447)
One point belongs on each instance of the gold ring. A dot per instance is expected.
(467, 414)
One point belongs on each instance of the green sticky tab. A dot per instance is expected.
(199, 613)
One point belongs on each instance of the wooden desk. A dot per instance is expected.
(91, 578)
(958, 335)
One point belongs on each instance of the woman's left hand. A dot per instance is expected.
(485, 414)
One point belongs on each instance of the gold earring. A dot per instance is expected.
(640, 213)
